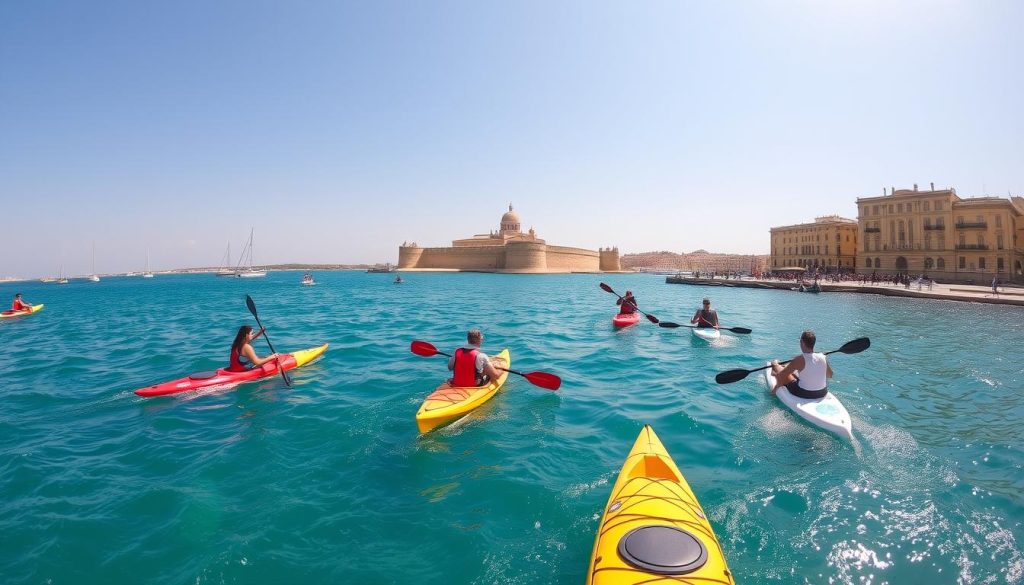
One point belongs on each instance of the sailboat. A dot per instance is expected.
(61, 279)
(226, 264)
(93, 277)
(147, 273)
(248, 271)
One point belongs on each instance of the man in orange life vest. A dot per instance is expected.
(470, 366)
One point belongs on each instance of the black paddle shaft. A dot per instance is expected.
(252, 309)
(851, 347)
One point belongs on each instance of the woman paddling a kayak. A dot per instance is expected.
(243, 356)
(20, 305)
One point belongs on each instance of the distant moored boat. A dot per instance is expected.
(249, 271)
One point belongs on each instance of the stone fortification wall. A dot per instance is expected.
(464, 258)
(610, 260)
(526, 257)
(409, 256)
(565, 259)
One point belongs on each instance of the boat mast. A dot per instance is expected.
(246, 253)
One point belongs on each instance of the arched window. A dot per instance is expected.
(929, 263)
(878, 263)
(901, 263)
(940, 264)
(867, 263)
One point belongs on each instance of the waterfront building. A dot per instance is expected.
(937, 233)
(508, 250)
(696, 261)
(829, 243)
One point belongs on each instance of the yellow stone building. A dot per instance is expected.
(937, 233)
(829, 244)
(507, 250)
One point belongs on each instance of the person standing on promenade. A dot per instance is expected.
(995, 286)
(20, 305)
(470, 366)
(705, 317)
(806, 376)
(627, 304)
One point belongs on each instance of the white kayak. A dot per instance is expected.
(706, 333)
(827, 413)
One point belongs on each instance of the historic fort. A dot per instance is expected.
(508, 250)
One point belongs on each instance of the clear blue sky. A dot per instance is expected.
(339, 130)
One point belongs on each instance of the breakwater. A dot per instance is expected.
(964, 293)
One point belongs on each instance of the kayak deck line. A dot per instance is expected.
(10, 314)
(223, 377)
(826, 413)
(653, 529)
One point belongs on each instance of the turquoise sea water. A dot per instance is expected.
(330, 481)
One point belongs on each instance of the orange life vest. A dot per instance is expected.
(464, 372)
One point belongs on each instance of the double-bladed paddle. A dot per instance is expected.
(263, 330)
(650, 318)
(856, 346)
(542, 379)
(672, 325)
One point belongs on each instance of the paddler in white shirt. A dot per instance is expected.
(806, 376)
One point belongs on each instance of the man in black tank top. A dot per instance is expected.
(706, 317)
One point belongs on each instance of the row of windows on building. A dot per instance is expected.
(925, 206)
(902, 263)
(805, 250)
(816, 238)
(900, 242)
(940, 224)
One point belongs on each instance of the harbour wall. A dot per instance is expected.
(977, 295)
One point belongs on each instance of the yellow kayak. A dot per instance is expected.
(653, 529)
(449, 403)
(29, 311)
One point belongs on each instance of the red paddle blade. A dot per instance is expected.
(423, 348)
(607, 288)
(544, 380)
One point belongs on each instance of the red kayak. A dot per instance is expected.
(622, 320)
(223, 377)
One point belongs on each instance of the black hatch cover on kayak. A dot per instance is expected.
(664, 550)
(202, 375)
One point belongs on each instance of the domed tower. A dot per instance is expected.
(510, 223)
